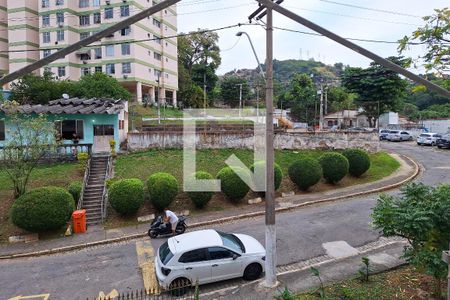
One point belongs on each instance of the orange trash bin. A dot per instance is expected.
(79, 221)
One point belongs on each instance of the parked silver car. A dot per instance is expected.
(398, 136)
(428, 139)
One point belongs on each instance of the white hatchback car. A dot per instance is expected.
(206, 256)
(428, 139)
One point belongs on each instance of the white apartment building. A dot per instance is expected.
(140, 57)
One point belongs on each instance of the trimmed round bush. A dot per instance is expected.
(359, 161)
(305, 172)
(43, 209)
(75, 190)
(126, 196)
(201, 199)
(163, 188)
(278, 172)
(334, 166)
(232, 185)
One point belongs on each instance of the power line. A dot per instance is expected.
(372, 9)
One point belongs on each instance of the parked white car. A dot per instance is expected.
(206, 256)
(398, 136)
(428, 138)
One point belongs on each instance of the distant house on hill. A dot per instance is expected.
(345, 119)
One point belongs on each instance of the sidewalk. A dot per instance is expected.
(96, 235)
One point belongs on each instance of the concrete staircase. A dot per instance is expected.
(93, 192)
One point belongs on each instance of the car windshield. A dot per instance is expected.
(231, 241)
(384, 131)
(165, 254)
(393, 131)
(424, 135)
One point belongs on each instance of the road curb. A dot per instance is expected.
(216, 221)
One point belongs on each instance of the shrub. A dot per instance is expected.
(232, 185)
(163, 189)
(334, 166)
(305, 172)
(126, 196)
(201, 199)
(42, 209)
(278, 172)
(75, 190)
(359, 161)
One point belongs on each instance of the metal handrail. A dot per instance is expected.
(85, 182)
(104, 204)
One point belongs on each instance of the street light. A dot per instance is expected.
(240, 33)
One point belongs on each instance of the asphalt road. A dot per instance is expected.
(300, 235)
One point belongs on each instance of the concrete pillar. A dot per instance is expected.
(139, 92)
(151, 95)
(163, 95)
(174, 100)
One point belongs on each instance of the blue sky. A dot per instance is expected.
(345, 21)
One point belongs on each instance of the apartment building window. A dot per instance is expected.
(99, 69)
(85, 56)
(157, 39)
(46, 37)
(45, 3)
(96, 3)
(126, 49)
(85, 20)
(59, 2)
(46, 20)
(157, 23)
(60, 35)
(84, 35)
(109, 13)
(61, 71)
(98, 53)
(110, 69)
(85, 71)
(47, 52)
(60, 18)
(125, 31)
(2, 130)
(84, 3)
(126, 68)
(124, 10)
(109, 50)
(157, 73)
(167, 75)
(97, 18)
(157, 56)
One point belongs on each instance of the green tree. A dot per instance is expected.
(198, 59)
(378, 89)
(29, 139)
(34, 89)
(340, 99)
(301, 98)
(230, 90)
(99, 85)
(421, 215)
(435, 36)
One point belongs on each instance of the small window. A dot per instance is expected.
(109, 13)
(125, 31)
(61, 71)
(85, 71)
(60, 18)
(193, 256)
(46, 37)
(84, 3)
(59, 2)
(102, 130)
(46, 20)
(60, 35)
(69, 128)
(2, 130)
(126, 68)
(47, 52)
(98, 53)
(109, 50)
(157, 73)
(219, 253)
(85, 20)
(157, 23)
(96, 3)
(110, 69)
(126, 50)
(97, 18)
(157, 56)
(45, 3)
(124, 10)
(98, 69)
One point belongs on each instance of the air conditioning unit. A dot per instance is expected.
(125, 76)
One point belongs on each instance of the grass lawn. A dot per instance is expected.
(137, 112)
(403, 283)
(57, 175)
(142, 165)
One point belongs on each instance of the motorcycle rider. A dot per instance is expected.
(171, 218)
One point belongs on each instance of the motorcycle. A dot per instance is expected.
(159, 227)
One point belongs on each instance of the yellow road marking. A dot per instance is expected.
(42, 296)
(113, 294)
(146, 261)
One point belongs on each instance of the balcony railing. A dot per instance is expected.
(59, 153)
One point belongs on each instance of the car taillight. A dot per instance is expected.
(165, 271)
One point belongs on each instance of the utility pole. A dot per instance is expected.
(240, 99)
(204, 92)
(321, 108)
(257, 103)
(326, 100)
(159, 99)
